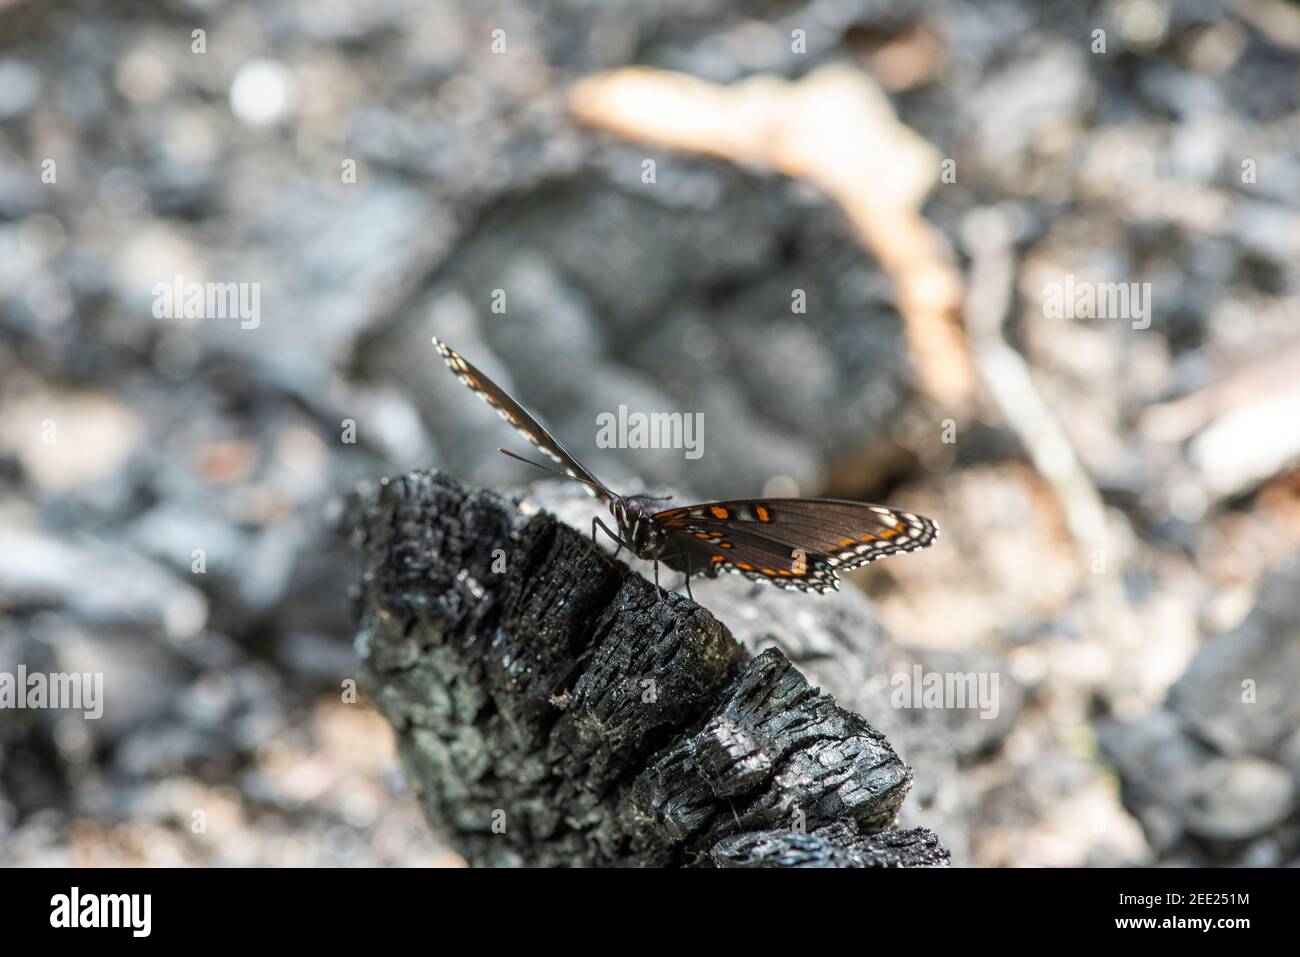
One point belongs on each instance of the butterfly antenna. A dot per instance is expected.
(546, 468)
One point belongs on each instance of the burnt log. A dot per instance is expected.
(551, 709)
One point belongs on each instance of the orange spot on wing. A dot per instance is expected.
(768, 571)
(715, 560)
(719, 512)
(889, 533)
(787, 573)
(848, 541)
(745, 566)
(762, 514)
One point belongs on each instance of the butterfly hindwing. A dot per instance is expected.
(754, 557)
(793, 543)
(518, 416)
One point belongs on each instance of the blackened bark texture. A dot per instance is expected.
(551, 710)
(837, 845)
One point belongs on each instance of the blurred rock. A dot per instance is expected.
(99, 585)
(662, 298)
(1238, 692)
(1216, 762)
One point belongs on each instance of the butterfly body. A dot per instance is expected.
(795, 543)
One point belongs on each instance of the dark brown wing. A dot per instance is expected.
(799, 543)
(518, 416)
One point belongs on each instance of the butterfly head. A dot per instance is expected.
(633, 514)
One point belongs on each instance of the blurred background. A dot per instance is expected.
(840, 229)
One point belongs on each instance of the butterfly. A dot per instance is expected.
(796, 543)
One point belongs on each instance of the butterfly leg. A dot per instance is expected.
(596, 521)
(687, 580)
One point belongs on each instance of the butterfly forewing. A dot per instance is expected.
(518, 416)
(793, 543)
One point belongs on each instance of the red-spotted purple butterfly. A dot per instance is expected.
(797, 543)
